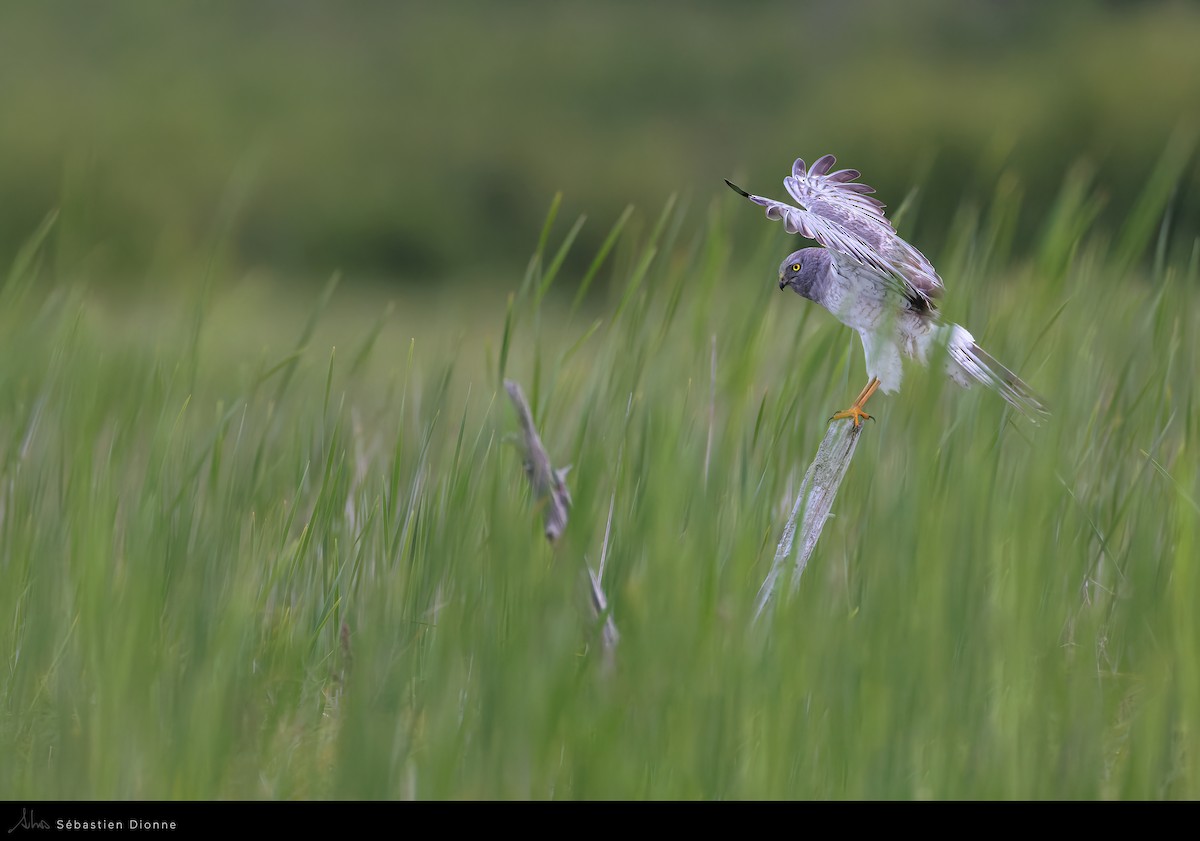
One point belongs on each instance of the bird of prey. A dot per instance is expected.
(876, 283)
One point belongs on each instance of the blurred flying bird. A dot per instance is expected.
(876, 283)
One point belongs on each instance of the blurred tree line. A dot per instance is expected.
(422, 141)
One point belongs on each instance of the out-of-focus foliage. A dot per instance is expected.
(422, 140)
(265, 541)
(296, 556)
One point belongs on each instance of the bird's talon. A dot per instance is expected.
(854, 413)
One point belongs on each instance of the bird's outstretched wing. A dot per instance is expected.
(839, 215)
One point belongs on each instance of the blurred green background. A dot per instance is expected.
(263, 535)
(422, 142)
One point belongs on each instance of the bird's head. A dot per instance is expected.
(799, 271)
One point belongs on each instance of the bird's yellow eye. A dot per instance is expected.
(795, 267)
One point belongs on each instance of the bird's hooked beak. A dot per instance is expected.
(782, 282)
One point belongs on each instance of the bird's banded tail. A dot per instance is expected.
(984, 368)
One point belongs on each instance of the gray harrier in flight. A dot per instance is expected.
(877, 284)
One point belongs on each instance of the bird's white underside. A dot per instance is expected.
(889, 327)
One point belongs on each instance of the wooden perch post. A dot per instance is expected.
(550, 491)
(812, 507)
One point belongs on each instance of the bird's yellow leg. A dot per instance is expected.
(855, 412)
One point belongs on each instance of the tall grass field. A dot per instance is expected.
(260, 542)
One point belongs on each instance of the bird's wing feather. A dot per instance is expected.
(837, 213)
